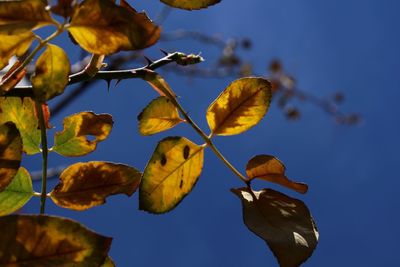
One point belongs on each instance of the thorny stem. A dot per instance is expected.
(209, 142)
(45, 151)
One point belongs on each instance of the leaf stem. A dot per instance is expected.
(209, 142)
(45, 151)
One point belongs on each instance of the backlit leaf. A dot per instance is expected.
(14, 45)
(51, 73)
(102, 27)
(158, 116)
(73, 141)
(17, 193)
(170, 174)
(108, 262)
(22, 113)
(85, 185)
(283, 222)
(157, 82)
(271, 169)
(240, 106)
(190, 4)
(18, 16)
(39, 240)
(10, 153)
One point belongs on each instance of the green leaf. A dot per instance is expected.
(190, 4)
(17, 193)
(19, 16)
(283, 222)
(85, 185)
(10, 153)
(73, 141)
(160, 115)
(22, 113)
(170, 175)
(269, 168)
(51, 73)
(14, 45)
(102, 27)
(240, 106)
(40, 240)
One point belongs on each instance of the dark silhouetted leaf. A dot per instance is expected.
(240, 106)
(18, 16)
(102, 27)
(38, 241)
(271, 169)
(190, 4)
(285, 223)
(10, 153)
(73, 141)
(22, 113)
(17, 193)
(14, 45)
(63, 8)
(51, 73)
(170, 174)
(160, 115)
(85, 185)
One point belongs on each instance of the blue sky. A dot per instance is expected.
(351, 46)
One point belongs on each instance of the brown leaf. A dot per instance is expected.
(10, 84)
(190, 4)
(283, 222)
(85, 185)
(269, 168)
(10, 153)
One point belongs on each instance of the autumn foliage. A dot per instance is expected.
(105, 27)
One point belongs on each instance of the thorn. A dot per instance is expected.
(108, 85)
(149, 61)
(164, 52)
(116, 83)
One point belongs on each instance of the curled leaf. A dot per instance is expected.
(157, 82)
(10, 153)
(14, 45)
(240, 106)
(85, 185)
(22, 113)
(190, 4)
(170, 174)
(103, 27)
(160, 115)
(283, 222)
(17, 193)
(51, 73)
(9, 83)
(18, 16)
(39, 240)
(269, 168)
(73, 141)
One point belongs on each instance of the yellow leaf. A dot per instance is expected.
(157, 82)
(14, 45)
(22, 113)
(73, 141)
(271, 169)
(10, 153)
(170, 174)
(108, 262)
(190, 4)
(240, 106)
(51, 73)
(18, 16)
(39, 240)
(85, 185)
(102, 27)
(284, 223)
(17, 193)
(158, 116)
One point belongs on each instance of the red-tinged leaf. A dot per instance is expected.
(13, 81)
(190, 4)
(103, 27)
(269, 168)
(10, 153)
(39, 240)
(85, 185)
(284, 223)
(158, 83)
(46, 115)
(18, 16)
